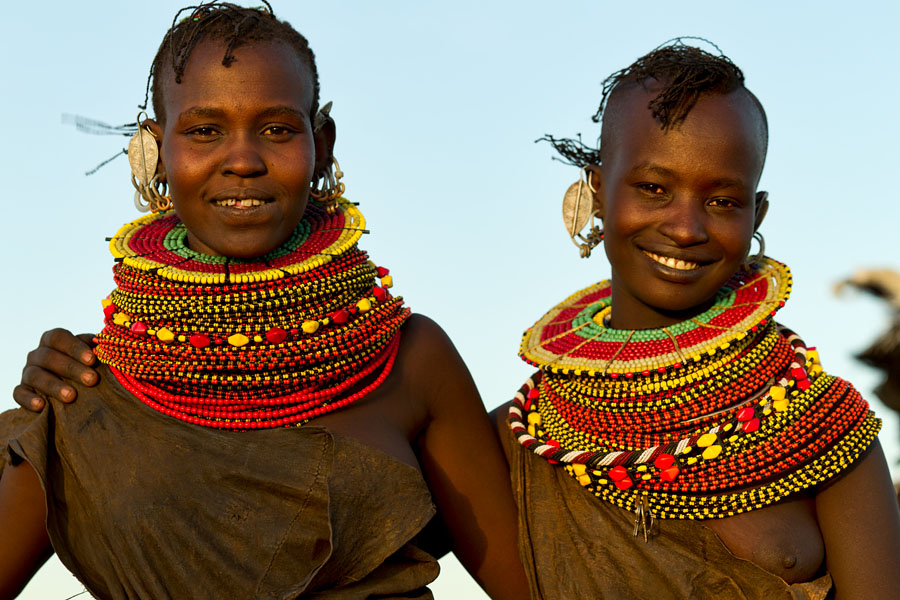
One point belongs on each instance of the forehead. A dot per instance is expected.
(724, 130)
(262, 71)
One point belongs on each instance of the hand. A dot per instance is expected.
(59, 356)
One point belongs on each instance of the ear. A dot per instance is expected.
(324, 137)
(595, 184)
(157, 131)
(761, 208)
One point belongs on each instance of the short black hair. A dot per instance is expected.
(685, 72)
(222, 21)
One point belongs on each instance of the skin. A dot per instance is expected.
(689, 194)
(245, 132)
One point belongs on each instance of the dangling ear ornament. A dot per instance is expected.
(577, 211)
(143, 156)
(326, 186)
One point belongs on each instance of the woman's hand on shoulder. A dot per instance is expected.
(462, 460)
(860, 523)
(60, 356)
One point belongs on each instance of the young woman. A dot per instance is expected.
(248, 308)
(688, 445)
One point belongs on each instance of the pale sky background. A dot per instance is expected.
(437, 107)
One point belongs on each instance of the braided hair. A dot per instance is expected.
(685, 73)
(232, 24)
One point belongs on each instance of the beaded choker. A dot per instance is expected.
(250, 344)
(718, 415)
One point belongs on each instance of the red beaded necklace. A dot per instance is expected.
(721, 414)
(250, 344)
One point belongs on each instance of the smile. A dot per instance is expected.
(239, 203)
(673, 263)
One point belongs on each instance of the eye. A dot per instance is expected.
(279, 132)
(651, 189)
(723, 202)
(203, 133)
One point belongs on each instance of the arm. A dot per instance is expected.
(464, 464)
(59, 356)
(24, 544)
(860, 522)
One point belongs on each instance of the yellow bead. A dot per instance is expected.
(257, 338)
(692, 460)
(777, 392)
(106, 302)
(165, 335)
(707, 439)
(767, 411)
(584, 480)
(579, 469)
(310, 326)
(646, 476)
(733, 438)
(641, 468)
(534, 418)
(181, 338)
(120, 318)
(780, 405)
(238, 340)
(531, 431)
(815, 370)
(812, 355)
(712, 452)
(686, 450)
(387, 281)
(728, 427)
(364, 305)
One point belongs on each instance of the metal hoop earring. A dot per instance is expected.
(577, 211)
(759, 256)
(143, 157)
(331, 186)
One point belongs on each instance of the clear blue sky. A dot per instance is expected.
(437, 106)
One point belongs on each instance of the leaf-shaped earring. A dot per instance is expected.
(143, 156)
(578, 210)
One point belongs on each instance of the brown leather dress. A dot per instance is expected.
(145, 506)
(575, 546)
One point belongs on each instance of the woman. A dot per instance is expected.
(690, 446)
(251, 307)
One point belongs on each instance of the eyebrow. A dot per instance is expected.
(721, 182)
(209, 112)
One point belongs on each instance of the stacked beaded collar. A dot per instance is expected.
(721, 414)
(250, 344)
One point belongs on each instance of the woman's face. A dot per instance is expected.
(237, 148)
(678, 206)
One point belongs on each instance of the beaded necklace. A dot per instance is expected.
(721, 414)
(250, 344)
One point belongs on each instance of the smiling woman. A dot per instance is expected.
(248, 308)
(668, 404)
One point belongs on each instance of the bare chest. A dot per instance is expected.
(783, 539)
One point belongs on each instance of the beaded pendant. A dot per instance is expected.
(248, 344)
(724, 413)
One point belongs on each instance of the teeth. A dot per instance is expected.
(673, 263)
(245, 203)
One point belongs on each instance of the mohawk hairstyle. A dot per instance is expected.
(685, 71)
(222, 21)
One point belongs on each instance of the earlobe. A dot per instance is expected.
(595, 182)
(761, 208)
(324, 135)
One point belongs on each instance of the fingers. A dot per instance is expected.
(27, 398)
(77, 347)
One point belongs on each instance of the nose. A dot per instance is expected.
(243, 157)
(685, 222)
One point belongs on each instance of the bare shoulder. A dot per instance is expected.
(429, 360)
